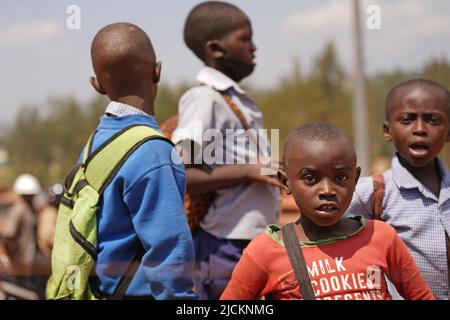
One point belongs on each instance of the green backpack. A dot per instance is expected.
(75, 246)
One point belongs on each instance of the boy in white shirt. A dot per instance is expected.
(245, 201)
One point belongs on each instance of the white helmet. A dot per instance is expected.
(27, 184)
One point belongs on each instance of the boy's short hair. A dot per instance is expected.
(207, 21)
(119, 53)
(315, 132)
(413, 82)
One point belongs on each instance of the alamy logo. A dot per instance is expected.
(74, 277)
(229, 146)
(73, 22)
(373, 277)
(373, 21)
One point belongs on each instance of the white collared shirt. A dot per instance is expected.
(217, 80)
(243, 211)
(121, 110)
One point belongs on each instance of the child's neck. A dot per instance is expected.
(307, 230)
(139, 102)
(215, 65)
(427, 175)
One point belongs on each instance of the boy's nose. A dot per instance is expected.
(420, 128)
(327, 189)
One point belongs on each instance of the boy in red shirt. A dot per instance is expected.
(346, 258)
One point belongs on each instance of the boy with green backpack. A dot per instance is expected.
(121, 230)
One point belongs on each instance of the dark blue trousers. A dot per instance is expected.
(214, 262)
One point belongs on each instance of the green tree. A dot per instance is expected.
(321, 96)
(166, 104)
(47, 141)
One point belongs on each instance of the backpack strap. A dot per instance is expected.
(378, 195)
(130, 271)
(240, 116)
(295, 253)
(75, 172)
(88, 147)
(101, 166)
(236, 111)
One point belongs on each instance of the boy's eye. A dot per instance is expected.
(433, 120)
(406, 119)
(341, 178)
(246, 39)
(309, 179)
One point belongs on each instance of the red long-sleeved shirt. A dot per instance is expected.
(349, 267)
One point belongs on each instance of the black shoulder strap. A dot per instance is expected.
(297, 259)
(130, 271)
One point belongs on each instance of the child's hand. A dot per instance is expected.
(253, 174)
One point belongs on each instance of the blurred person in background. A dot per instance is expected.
(45, 205)
(18, 239)
(47, 210)
(17, 229)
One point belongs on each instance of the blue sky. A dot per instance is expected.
(41, 58)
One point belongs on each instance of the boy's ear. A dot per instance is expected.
(97, 86)
(386, 131)
(358, 174)
(284, 181)
(157, 72)
(214, 49)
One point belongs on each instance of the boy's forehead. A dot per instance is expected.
(305, 148)
(244, 18)
(238, 21)
(422, 94)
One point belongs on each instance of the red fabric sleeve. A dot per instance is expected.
(247, 281)
(404, 273)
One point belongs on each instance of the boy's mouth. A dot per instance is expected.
(418, 149)
(327, 208)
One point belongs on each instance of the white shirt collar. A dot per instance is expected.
(121, 109)
(216, 79)
(404, 179)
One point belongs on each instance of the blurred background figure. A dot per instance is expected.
(18, 242)
(18, 227)
(46, 218)
(7, 198)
